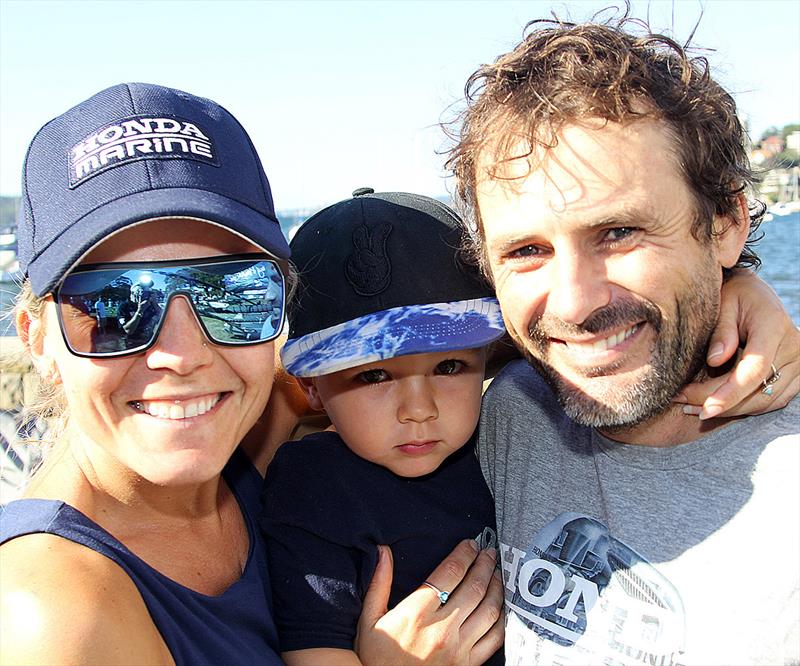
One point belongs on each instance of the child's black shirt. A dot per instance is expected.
(325, 512)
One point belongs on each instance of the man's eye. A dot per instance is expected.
(619, 233)
(449, 367)
(375, 376)
(524, 251)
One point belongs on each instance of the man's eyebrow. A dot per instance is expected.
(508, 243)
(624, 218)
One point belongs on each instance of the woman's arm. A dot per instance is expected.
(751, 314)
(321, 657)
(62, 603)
(287, 405)
(468, 629)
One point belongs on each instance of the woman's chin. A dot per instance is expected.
(182, 467)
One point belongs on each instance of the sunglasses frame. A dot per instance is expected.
(178, 263)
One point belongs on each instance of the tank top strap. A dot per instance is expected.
(32, 516)
(234, 627)
(242, 477)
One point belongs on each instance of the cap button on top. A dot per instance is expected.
(361, 191)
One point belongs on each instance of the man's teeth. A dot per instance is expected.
(185, 409)
(602, 345)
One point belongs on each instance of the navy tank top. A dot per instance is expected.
(235, 627)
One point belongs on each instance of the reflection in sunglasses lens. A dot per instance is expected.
(119, 309)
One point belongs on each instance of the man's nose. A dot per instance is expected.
(417, 401)
(578, 286)
(181, 346)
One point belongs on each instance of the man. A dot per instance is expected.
(100, 315)
(603, 173)
(140, 313)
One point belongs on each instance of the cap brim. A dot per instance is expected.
(415, 329)
(47, 269)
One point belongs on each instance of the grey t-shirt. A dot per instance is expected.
(624, 554)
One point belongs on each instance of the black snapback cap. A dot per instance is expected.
(381, 275)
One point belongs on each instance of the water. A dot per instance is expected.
(779, 251)
(780, 256)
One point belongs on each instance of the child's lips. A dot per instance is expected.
(418, 448)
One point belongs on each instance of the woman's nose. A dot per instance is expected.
(181, 346)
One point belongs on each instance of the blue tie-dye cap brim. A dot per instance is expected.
(413, 329)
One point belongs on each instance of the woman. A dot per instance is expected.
(135, 543)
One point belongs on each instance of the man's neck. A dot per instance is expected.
(669, 428)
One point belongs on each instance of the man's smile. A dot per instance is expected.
(594, 346)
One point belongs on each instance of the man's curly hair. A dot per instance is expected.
(615, 70)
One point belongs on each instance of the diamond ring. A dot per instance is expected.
(769, 381)
(443, 596)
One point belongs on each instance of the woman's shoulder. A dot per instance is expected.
(65, 603)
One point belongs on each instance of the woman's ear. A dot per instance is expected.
(731, 232)
(31, 332)
(309, 386)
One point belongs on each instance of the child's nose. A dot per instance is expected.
(417, 401)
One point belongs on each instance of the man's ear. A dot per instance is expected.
(731, 231)
(309, 386)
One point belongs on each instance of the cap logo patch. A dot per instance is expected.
(135, 138)
(368, 268)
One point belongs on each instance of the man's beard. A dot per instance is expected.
(678, 356)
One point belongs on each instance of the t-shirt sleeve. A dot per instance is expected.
(319, 567)
(486, 446)
(315, 589)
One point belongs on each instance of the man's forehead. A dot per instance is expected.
(592, 167)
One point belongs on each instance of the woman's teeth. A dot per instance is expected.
(177, 409)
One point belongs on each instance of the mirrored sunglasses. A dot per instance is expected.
(117, 309)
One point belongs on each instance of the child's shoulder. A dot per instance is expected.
(320, 457)
(312, 449)
(316, 480)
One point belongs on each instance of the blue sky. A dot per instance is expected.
(338, 95)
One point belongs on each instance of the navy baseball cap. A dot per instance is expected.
(382, 275)
(131, 153)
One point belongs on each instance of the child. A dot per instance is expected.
(387, 334)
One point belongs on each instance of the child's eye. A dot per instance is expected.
(374, 376)
(449, 367)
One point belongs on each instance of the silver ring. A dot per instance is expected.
(769, 381)
(443, 596)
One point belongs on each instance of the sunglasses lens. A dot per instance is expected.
(242, 304)
(112, 311)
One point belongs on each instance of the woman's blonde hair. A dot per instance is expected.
(46, 402)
